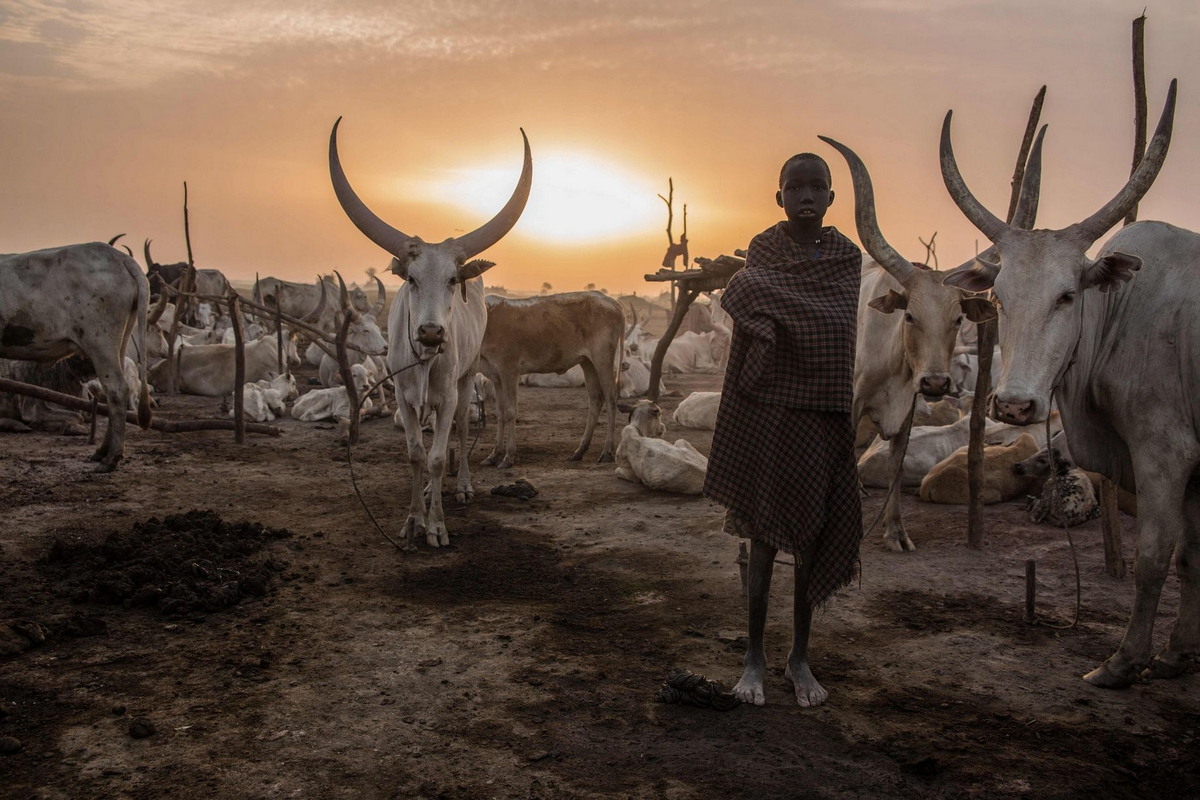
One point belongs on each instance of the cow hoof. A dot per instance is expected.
(1161, 668)
(431, 539)
(105, 466)
(444, 539)
(464, 495)
(576, 456)
(605, 458)
(490, 461)
(899, 544)
(1105, 678)
(505, 464)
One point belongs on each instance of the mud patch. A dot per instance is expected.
(184, 564)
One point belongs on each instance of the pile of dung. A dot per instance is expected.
(182, 565)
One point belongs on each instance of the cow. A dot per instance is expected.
(947, 481)
(362, 334)
(929, 445)
(905, 348)
(208, 281)
(698, 410)
(643, 457)
(306, 301)
(208, 369)
(553, 333)
(1114, 341)
(435, 329)
(334, 403)
(81, 299)
(690, 352)
(261, 402)
(20, 413)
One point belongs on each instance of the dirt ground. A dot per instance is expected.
(523, 660)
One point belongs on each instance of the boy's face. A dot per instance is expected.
(805, 193)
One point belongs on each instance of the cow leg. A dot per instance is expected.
(749, 688)
(1157, 470)
(591, 382)
(609, 388)
(1184, 644)
(116, 395)
(894, 535)
(465, 490)
(501, 404)
(436, 534)
(416, 524)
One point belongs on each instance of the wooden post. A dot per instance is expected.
(1139, 101)
(92, 426)
(1110, 516)
(279, 328)
(182, 301)
(1030, 590)
(686, 296)
(239, 371)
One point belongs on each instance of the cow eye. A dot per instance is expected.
(412, 282)
(453, 281)
(1064, 299)
(908, 318)
(958, 321)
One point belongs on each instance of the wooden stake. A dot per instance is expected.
(1110, 521)
(1030, 590)
(239, 371)
(686, 296)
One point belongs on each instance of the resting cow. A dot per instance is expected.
(644, 458)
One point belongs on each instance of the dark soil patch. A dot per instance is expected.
(183, 564)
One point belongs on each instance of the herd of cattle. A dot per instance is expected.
(1120, 362)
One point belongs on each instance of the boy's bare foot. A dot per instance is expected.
(750, 688)
(809, 693)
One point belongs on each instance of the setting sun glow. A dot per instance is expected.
(576, 198)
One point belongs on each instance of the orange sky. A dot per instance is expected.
(107, 107)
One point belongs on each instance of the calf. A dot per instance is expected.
(947, 481)
(333, 403)
(644, 458)
(698, 410)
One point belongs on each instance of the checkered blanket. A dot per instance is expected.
(782, 458)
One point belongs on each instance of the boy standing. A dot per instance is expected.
(782, 458)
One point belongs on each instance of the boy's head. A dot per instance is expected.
(804, 187)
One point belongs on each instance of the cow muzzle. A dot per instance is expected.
(431, 335)
(1016, 411)
(935, 385)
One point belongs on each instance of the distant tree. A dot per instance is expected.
(604, 291)
(547, 288)
(371, 272)
(591, 287)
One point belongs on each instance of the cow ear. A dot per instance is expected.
(399, 267)
(1111, 271)
(978, 309)
(473, 269)
(889, 302)
(974, 276)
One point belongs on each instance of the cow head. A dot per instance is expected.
(1039, 279)
(363, 331)
(933, 311)
(434, 274)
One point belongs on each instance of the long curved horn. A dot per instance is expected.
(1025, 214)
(345, 295)
(380, 300)
(149, 260)
(988, 223)
(480, 239)
(315, 314)
(872, 237)
(113, 241)
(1139, 182)
(375, 229)
(159, 307)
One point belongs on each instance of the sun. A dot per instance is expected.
(576, 197)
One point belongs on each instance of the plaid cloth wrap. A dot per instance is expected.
(782, 459)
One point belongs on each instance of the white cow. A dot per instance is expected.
(548, 334)
(209, 369)
(435, 329)
(334, 403)
(698, 410)
(908, 322)
(82, 299)
(644, 458)
(1121, 363)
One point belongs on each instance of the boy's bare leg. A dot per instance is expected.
(758, 587)
(808, 691)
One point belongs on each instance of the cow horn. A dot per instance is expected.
(146, 250)
(872, 237)
(493, 231)
(159, 307)
(988, 223)
(1139, 182)
(381, 300)
(1025, 214)
(375, 229)
(113, 241)
(345, 295)
(315, 314)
